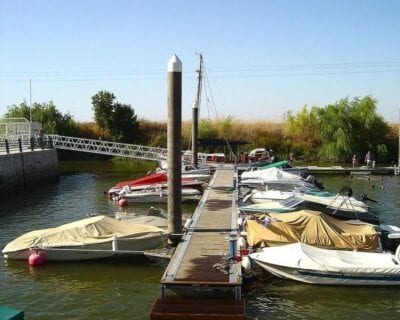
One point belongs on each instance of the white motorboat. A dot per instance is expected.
(308, 264)
(290, 204)
(155, 194)
(340, 206)
(154, 217)
(158, 179)
(276, 178)
(335, 202)
(264, 196)
(91, 238)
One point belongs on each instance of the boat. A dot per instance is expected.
(154, 217)
(260, 156)
(158, 179)
(188, 169)
(91, 238)
(276, 178)
(340, 206)
(309, 264)
(155, 194)
(313, 228)
(263, 196)
(285, 166)
(286, 205)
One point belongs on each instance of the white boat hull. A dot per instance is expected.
(308, 264)
(159, 196)
(331, 278)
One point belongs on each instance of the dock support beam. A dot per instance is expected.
(174, 143)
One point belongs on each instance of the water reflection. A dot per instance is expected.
(273, 298)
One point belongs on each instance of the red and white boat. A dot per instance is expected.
(157, 179)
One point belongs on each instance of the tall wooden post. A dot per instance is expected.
(174, 143)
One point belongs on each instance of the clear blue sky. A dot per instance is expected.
(262, 58)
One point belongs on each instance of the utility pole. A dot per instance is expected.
(195, 113)
(30, 107)
(174, 144)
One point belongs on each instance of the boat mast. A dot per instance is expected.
(195, 113)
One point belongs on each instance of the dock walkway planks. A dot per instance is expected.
(200, 261)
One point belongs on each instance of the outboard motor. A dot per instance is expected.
(315, 182)
(364, 198)
(311, 179)
(346, 191)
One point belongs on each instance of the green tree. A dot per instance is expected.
(303, 132)
(117, 120)
(52, 120)
(352, 126)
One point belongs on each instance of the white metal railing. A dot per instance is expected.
(108, 148)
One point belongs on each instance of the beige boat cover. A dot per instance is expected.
(92, 230)
(313, 228)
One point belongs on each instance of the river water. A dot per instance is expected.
(126, 289)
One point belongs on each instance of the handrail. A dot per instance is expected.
(108, 148)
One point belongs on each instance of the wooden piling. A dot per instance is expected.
(174, 144)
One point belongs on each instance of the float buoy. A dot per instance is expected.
(36, 259)
(123, 202)
(242, 243)
(246, 264)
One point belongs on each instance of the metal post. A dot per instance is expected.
(398, 162)
(7, 146)
(20, 144)
(174, 143)
(32, 143)
(195, 114)
(30, 107)
(195, 121)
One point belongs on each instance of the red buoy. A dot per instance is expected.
(123, 202)
(36, 259)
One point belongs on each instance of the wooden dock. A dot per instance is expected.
(202, 281)
(349, 170)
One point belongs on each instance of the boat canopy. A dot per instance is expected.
(313, 228)
(271, 174)
(91, 230)
(279, 164)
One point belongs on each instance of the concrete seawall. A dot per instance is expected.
(23, 169)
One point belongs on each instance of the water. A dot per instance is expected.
(126, 289)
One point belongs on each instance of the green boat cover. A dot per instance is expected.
(279, 164)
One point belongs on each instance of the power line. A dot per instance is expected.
(220, 72)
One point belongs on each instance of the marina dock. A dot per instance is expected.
(202, 280)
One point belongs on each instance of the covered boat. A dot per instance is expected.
(304, 263)
(313, 228)
(338, 206)
(90, 238)
(275, 177)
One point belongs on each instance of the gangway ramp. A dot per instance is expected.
(108, 148)
(201, 282)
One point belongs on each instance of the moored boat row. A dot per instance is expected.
(340, 244)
